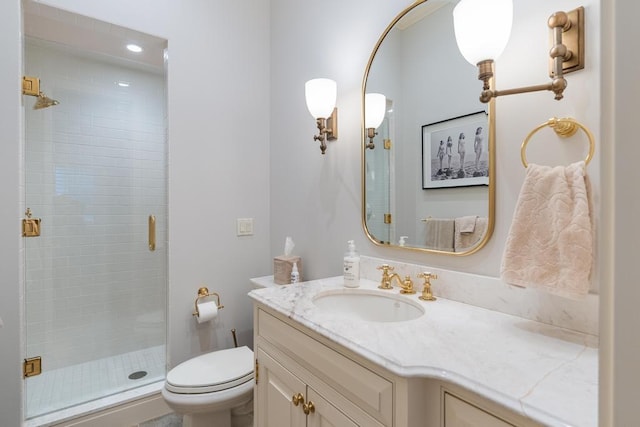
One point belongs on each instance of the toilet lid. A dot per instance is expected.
(215, 371)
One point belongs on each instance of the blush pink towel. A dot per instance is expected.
(550, 243)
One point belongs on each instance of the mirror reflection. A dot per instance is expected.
(427, 168)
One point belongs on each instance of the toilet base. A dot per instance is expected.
(241, 416)
(213, 419)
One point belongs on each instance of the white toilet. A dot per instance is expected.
(207, 388)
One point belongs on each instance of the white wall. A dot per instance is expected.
(10, 212)
(217, 84)
(619, 352)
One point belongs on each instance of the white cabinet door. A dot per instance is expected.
(275, 391)
(458, 413)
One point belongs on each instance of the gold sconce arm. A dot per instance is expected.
(327, 130)
(566, 53)
(371, 133)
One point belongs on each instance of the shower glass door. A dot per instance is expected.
(379, 176)
(94, 172)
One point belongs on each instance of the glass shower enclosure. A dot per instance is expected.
(95, 174)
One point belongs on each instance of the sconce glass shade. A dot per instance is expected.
(482, 28)
(375, 105)
(320, 95)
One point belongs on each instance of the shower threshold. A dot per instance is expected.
(72, 391)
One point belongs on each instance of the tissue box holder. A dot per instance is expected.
(282, 266)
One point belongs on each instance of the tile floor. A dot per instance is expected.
(62, 388)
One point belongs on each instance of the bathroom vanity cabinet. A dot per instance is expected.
(304, 379)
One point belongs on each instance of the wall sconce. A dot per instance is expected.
(482, 29)
(320, 95)
(375, 106)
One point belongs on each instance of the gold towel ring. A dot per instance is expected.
(564, 128)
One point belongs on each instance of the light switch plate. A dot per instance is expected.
(244, 226)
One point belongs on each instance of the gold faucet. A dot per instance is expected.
(426, 290)
(386, 282)
(407, 286)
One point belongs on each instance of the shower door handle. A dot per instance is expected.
(152, 233)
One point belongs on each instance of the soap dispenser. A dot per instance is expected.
(295, 274)
(351, 266)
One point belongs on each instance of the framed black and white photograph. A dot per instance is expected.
(455, 152)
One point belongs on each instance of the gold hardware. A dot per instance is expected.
(371, 133)
(327, 129)
(387, 279)
(387, 218)
(407, 286)
(559, 23)
(426, 290)
(564, 128)
(152, 233)
(203, 292)
(30, 86)
(30, 226)
(32, 366)
(387, 144)
(308, 408)
(257, 371)
(385, 282)
(573, 39)
(297, 399)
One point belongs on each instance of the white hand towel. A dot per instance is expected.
(439, 234)
(466, 224)
(550, 243)
(463, 241)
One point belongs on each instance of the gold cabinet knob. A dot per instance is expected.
(308, 408)
(297, 399)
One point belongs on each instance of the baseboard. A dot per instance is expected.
(128, 414)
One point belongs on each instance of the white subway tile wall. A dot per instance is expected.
(95, 169)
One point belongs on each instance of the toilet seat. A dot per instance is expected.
(212, 372)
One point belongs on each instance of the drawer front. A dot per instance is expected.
(370, 391)
(458, 413)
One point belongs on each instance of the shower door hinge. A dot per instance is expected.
(256, 372)
(32, 366)
(387, 218)
(30, 226)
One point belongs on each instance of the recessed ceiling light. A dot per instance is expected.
(123, 84)
(134, 48)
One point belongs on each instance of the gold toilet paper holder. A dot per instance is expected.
(203, 292)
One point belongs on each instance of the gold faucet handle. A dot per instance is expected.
(386, 268)
(427, 276)
(407, 286)
(426, 289)
(385, 282)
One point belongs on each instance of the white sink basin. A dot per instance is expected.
(368, 305)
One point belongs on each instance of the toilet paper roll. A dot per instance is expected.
(207, 311)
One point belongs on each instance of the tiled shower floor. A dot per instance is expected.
(66, 387)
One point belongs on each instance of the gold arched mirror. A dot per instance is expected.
(428, 170)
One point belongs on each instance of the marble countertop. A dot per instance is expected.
(544, 372)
